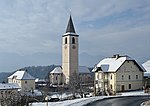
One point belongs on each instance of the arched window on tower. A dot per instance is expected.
(66, 40)
(73, 40)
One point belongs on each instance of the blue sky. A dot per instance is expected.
(31, 30)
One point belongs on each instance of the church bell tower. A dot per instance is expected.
(70, 52)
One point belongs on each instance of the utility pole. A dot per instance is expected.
(47, 100)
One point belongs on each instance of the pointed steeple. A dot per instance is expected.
(70, 26)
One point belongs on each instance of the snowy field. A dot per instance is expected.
(84, 101)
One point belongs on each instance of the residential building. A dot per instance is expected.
(146, 65)
(23, 79)
(40, 83)
(117, 74)
(7, 89)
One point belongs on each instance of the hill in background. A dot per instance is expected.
(36, 71)
(40, 72)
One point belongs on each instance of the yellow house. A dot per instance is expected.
(117, 74)
(23, 79)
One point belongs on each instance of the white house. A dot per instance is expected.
(146, 65)
(6, 89)
(118, 73)
(23, 79)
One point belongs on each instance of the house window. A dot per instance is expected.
(25, 82)
(129, 86)
(136, 76)
(73, 40)
(66, 40)
(111, 77)
(111, 86)
(56, 77)
(1, 92)
(122, 77)
(129, 77)
(97, 76)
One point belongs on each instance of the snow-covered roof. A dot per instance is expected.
(39, 80)
(70, 33)
(57, 70)
(146, 65)
(83, 69)
(22, 75)
(6, 86)
(112, 64)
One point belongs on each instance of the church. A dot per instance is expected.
(70, 59)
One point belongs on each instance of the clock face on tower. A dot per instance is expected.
(73, 47)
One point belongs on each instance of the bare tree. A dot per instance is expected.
(10, 98)
(75, 86)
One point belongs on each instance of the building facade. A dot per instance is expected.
(56, 76)
(9, 94)
(85, 75)
(69, 52)
(23, 79)
(146, 66)
(7, 88)
(118, 74)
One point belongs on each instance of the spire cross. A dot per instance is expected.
(70, 12)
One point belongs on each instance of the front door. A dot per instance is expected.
(122, 87)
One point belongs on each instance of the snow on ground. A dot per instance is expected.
(134, 93)
(84, 101)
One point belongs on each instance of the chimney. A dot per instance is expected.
(116, 56)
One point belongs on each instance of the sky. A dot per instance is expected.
(31, 31)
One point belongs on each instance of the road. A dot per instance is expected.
(122, 101)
